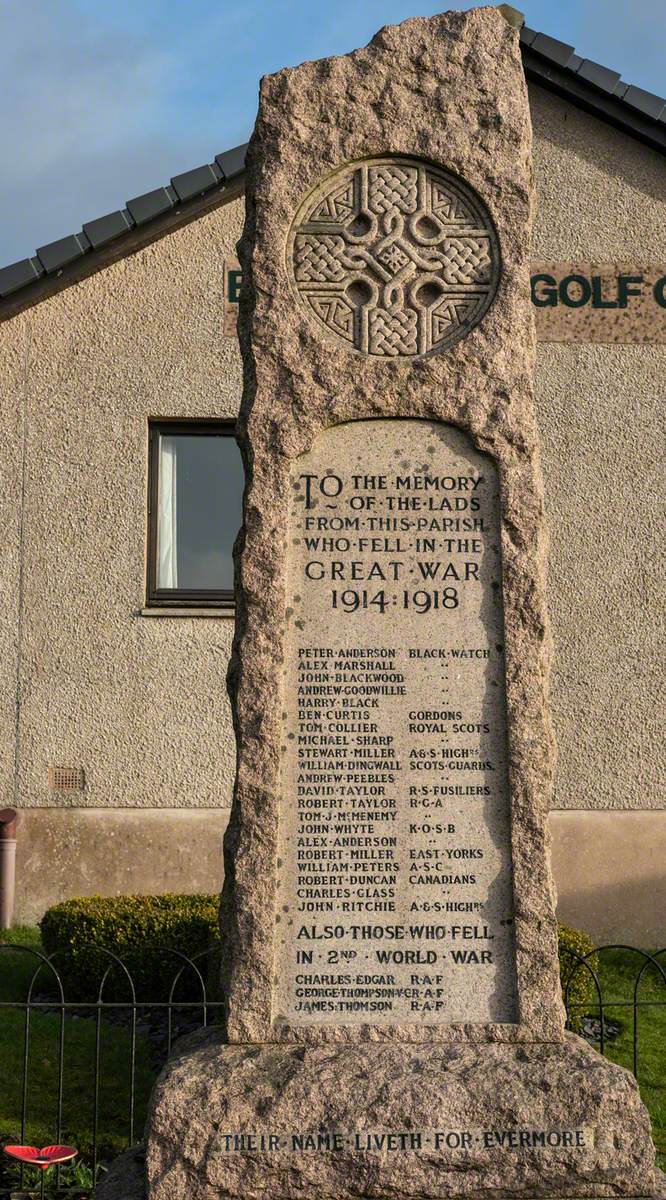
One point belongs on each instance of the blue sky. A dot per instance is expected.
(105, 101)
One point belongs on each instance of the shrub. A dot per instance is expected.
(129, 926)
(574, 975)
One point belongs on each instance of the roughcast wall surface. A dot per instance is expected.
(141, 703)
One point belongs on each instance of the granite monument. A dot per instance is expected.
(394, 1023)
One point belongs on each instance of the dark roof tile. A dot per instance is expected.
(151, 204)
(232, 162)
(601, 77)
(527, 35)
(58, 254)
(646, 102)
(19, 274)
(557, 52)
(105, 229)
(196, 182)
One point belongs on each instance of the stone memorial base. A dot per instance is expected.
(126, 1180)
(383, 1120)
(126, 1177)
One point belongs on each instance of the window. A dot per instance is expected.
(195, 506)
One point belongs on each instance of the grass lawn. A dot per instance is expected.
(617, 975)
(16, 969)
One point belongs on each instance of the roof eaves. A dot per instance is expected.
(232, 162)
(58, 254)
(550, 48)
(19, 275)
(597, 89)
(184, 188)
(547, 61)
(105, 229)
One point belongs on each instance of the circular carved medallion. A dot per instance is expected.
(394, 257)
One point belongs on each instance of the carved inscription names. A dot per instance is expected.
(394, 870)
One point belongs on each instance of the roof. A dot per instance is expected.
(597, 89)
(547, 62)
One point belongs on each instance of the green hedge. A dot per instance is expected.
(581, 985)
(127, 925)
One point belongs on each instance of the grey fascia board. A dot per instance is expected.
(609, 108)
(232, 162)
(194, 183)
(151, 204)
(19, 274)
(105, 229)
(65, 250)
(563, 56)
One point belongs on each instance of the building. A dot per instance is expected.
(121, 489)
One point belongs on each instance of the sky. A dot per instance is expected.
(105, 101)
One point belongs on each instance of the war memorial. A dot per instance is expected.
(394, 1025)
(440, 632)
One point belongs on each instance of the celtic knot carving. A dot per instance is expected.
(395, 257)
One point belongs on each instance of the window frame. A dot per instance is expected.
(178, 597)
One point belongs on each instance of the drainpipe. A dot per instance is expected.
(8, 823)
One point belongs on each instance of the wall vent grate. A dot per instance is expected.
(66, 779)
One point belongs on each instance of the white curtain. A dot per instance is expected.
(167, 516)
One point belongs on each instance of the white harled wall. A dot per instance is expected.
(140, 702)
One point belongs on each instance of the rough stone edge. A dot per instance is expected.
(126, 1178)
(210, 1085)
(320, 384)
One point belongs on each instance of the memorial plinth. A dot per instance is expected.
(394, 1025)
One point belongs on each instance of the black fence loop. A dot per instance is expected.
(651, 961)
(44, 961)
(187, 962)
(207, 953)
(116, 962)
(201, 1005)
(582, 962)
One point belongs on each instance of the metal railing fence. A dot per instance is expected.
(586, 963)
(127, 1014)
